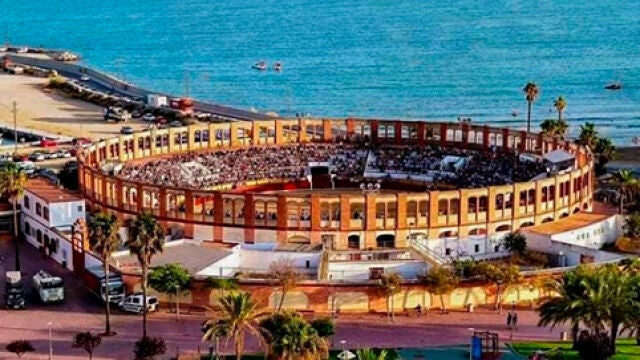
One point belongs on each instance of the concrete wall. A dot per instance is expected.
(66, 213)
(595, 235)
(59, 247)
(261, 260)
(359, 270)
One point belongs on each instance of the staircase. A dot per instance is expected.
(429, 255)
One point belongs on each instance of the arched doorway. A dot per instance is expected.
(386, 241)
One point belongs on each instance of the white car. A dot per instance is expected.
(133, 303)
(148, 117)
(63, 154)
(85, 78)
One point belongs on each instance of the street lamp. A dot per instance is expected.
(50, 341)
(178, 302)
(370, 188)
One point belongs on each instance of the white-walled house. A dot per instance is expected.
(578, 238)
(48, 213)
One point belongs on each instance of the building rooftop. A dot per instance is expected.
(192, 255)
(573, 222)
(50, 193)
(557, 156)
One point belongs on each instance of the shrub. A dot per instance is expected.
(515, 242)
(20, 347)
(147, 348)
(324, 327)
(595, 346)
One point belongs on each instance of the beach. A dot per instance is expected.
(51, 112)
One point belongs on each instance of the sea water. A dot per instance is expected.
(416, 59)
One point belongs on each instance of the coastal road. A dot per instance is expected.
(116, 86)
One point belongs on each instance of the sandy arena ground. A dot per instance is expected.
(52, 112)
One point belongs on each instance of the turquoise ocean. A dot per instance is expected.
(416, 59)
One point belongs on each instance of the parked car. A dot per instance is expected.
(175, 123)
(37, 156)
(20, 157)
(133, 303)
(50, 155)
(136, 114)
(28, 167)
(80, 141)
(126, 130)
(63, 154)
(148, 117)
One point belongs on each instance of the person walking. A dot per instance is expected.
(514, 320)
(509, 320)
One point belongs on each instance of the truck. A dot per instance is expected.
(157, 100)
(184, 105)
(95, 281)
(50, 288)
(14, 290)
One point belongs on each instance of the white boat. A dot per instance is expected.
(277, 67)
(260, 65)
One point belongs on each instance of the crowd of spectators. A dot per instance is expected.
(204, 170)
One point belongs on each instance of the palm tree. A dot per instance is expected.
(627, 185)
(290, 337)
(12, 183)
(560, 104)
(588, 135)
(440, 281)
(554, 128)
(531, 94)
(146, 239)
(240, 315)
(370, 354)
(568, 303)
(388, 286)
(103, 240)
(632, 267)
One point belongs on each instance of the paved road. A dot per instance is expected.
(132, 91)
(82, 312)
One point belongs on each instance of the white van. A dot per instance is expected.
(133, 303)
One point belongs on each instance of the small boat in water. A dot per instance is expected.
(614, 86)
(636, 140)
(277, 67)
(260, 65)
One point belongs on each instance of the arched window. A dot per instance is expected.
(353, 242)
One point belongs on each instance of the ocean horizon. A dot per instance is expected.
(398, 60)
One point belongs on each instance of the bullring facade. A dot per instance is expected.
(402, 210)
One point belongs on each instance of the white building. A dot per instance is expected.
(578, 238)
(47, 215)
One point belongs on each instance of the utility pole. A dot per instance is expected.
(14, 111)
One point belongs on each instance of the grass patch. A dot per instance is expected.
(392, 354)
(626, 349)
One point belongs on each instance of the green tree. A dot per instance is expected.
(213, 331)
(588, 135)
(87, 341)
(440, 281)
(290, 337)
(325, 327)
(503, 276)
(632, 268)
(103, 241)
(148, 348)
(627, 185)
(605, 150)
(515, 242)
(371, 354)
(222, 284)
(554, 128)
(560, 104)
(286, 276)
(12, 183)
(20, 347)
(567, 304)
(240, 315)
(169, 279)
(146, 239)
(632, 226)
(389, 285)
(531, 94)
